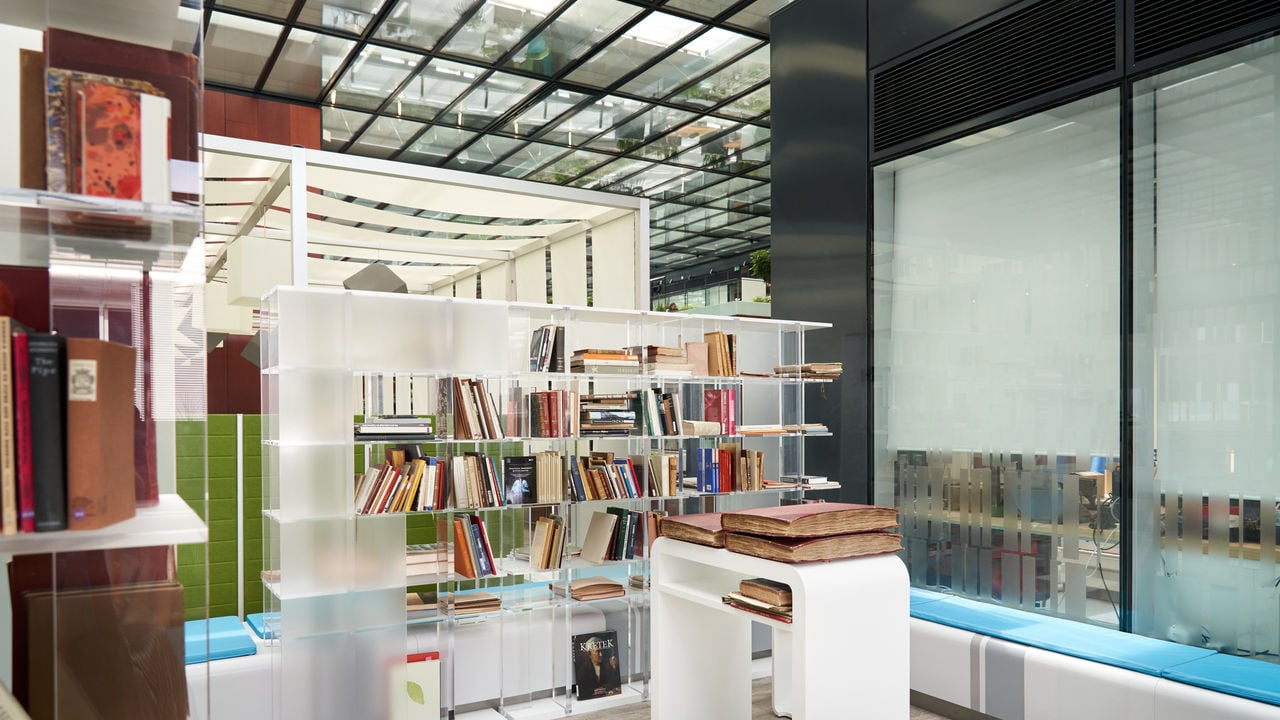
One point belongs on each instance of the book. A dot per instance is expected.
(751, 605)
(811, 519)
(519, 479)
(31, 119)
(595, 665)
(590, 588)
(100, 385)
(10, 708)
(415, 687)
(810, 549)
(111, 653)
(47, 388)
(22, 433)
(700, 528)
(697, 353)
(8, 463)
(600, 532)
(766, 591)
(471, 603)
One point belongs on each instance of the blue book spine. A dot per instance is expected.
(575, 479)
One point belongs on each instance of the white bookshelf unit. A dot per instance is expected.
(331, 355)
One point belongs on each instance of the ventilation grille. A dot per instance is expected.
(1046, 46)
(1163, 25)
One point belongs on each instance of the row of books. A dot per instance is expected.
(714, 356)
(618, 534)
(403, 484)
(475, 414)
(729, 468)
(546, 349)
(542, 414)
(69, 433)
(546, 548)
(472, 553)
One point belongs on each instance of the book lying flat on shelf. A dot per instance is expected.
(811, 519)
(830, 370)
(810, 549)
(700, 528)
(590, 588)
(750, 604)
(766, 591)
(471, 603)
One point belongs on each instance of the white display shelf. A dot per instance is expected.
(708, 593)
(172, 522)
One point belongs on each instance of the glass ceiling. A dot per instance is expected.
(663, 98)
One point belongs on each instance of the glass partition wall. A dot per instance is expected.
(998, 331)
(997, 351)
(1206, 397)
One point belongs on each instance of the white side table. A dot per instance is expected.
(845, 654)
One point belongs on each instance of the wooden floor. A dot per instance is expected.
(761, 708)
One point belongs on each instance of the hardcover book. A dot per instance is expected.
(811, 549)
(590, 588)
(8, 462)
(595, 665)
(700, 528)
(100, 414)
(811, 519)
(519, 479)
(47, 387)
(767, 591)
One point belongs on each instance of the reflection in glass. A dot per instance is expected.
(436, 144)
(616, 176)
(272, 8)
(568, 167)
(652, 35)
(699, 56)
(236, 48)
(637, 130)
(749, 105)
(306, 63)
(996, 280)
(524, 160)
(350, 16)
(420, 23)
(483, 152)
(385, 137)
(745, 73)
(337, 126)
(373, 76)
(571, 35)
(593, 119)
(544, 111)
(705, 8)
(434, 89)
(498, 26)
(494, 96)
(1205, 367)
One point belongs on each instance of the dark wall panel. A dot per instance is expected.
(899, 26)
(820, 206)
(250, 118)
(234, 383)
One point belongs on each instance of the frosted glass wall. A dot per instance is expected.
(1206, 308)
(996, 274)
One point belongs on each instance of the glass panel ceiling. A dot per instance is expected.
(605, 94)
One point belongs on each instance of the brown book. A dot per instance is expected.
(100, 477)
(590, 588)
(811, 519)
(31, 126)
(111, 653)
(700, 528)
(810, 549)
(463, 563)
(175, 74)
(697, 354)
(470, 603)
(767, 591)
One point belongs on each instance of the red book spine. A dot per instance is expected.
(22, 434)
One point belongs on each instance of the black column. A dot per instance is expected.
(821, 209)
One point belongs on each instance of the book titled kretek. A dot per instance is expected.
(596, 672)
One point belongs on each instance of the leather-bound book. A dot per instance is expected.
(100, 467)
(110, 653)
(47, 389)
(175, 74)
(811, 549)
(31, 148)
(811, 519)
(700, 528)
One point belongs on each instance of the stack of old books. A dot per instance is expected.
(590, 588)
(472, 603)
(660, 360)
(820, 371)
(762, 596)
(813, 531)
(604, 361)
(700, 528)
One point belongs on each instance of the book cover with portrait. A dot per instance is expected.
(596, 670)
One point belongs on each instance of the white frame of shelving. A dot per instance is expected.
(340, 597)
(298, 160)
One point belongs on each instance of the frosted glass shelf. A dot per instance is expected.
(172, 522)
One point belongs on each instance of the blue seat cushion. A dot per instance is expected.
(920, 597)
(1244, 677)
(227, 638)
(262, 625)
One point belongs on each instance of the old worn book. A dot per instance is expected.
(100, 488)
(600, 535)
(31, 148)
(471, 603)
(111, 653)
(811, 519)
(766, 590)
(590, 588)
(700, 528)
(810, 549)
(697, 354)
(750, 604)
